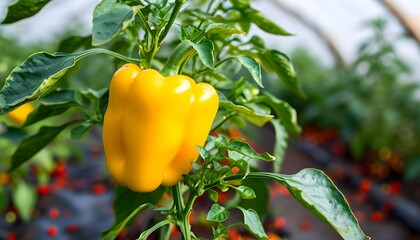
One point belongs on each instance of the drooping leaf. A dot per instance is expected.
(314, 190)
(253, 223)
(241, 147)
(262, 193)
(283, 67)
(265, 23)
(253, 117)
(280, 143)
(253, 67)
(111, 17)
(217, 213)
(81, 130)
(24, 199)
(205, 52)
(31, 145)
(53, 104)
(283, 111)
(222, 28)
(22, 9)
(127, 204)
(38, 74)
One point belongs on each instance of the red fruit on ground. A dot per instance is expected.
(388, 207)
(222, 197)
(72, 228)
(394, 187)
(11, 235)
(99, 189)
(305, 225)
(365, 186)
(52, 231)
(233, 234)
(377, 216)
(54, 213)
(43, 190)
(279, 223)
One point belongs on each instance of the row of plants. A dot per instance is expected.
(371, 106)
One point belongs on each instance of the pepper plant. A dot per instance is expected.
(197, 41)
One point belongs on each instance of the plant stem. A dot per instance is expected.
(158, 225)
(178, 58)
(174, 15)
(180, 214)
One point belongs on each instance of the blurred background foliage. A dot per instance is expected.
(373, 102)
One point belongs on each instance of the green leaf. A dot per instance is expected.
(38, 74)
(283, 67)
(110, 18)
(260, 203)
(188, 33)
(253, 117)
(283, 111)
(24, 199)
(253, 223)
(253, 67)
(315, 190)
(217, 213)
(127, 204)
(245, 192)
(28, 147)
(222, 28)
(205, 52)
(55, 103)
(264, 23)
(241, 147)
(213, 195)
(203, 153)
(222, 115)
(22, 9)
(81, 130)
(73, 43)
(280, 143)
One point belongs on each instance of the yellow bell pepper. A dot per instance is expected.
(153, 125)
(20, 114)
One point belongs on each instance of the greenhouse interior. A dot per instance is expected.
(210, 119)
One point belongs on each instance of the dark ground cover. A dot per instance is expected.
(77, 204)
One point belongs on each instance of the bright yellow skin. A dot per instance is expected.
(20, 114)
(153, 125)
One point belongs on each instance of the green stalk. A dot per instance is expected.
(178, 59)
(111, 53)
(180, 216)
(174, 15)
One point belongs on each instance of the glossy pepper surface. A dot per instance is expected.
(152, 126)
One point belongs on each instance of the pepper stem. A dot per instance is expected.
(178, 59)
